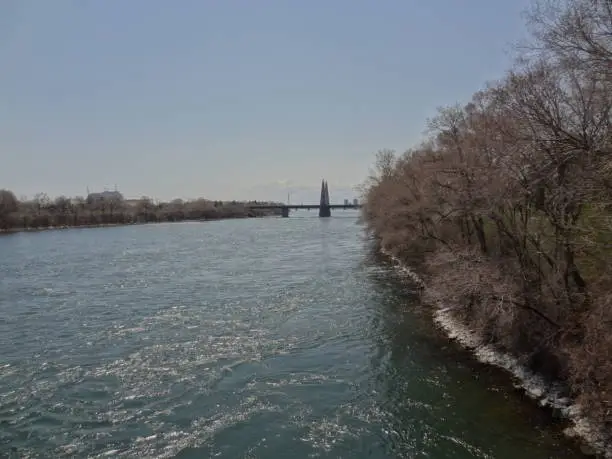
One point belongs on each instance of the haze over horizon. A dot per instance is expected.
(231, 100)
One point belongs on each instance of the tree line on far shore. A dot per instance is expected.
(506, 208)
(96, 210)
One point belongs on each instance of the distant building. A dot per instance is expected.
(104, 196)
(355, 202)
(346, 202)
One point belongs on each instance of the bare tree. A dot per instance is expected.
(8, 205)
(506, 207)
(577, 33)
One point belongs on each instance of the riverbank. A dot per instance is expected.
(65, 227)
(595, 439)
(504, 212)
(43, 214)
(112, 225)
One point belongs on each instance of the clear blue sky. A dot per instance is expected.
(231, 99)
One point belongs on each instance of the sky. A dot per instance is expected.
(232, 99)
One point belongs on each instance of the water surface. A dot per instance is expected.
(260, 338)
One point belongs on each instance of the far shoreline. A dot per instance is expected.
(9, 231)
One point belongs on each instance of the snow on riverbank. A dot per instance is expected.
(534, 386)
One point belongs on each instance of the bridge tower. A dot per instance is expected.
(324, 210)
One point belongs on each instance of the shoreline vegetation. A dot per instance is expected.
(111, 209)
(505, 213)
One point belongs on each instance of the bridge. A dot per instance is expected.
(324, 205)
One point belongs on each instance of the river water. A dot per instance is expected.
(260, 338)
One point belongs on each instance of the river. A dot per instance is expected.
(259, 338)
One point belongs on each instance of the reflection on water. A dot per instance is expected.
(250, 338)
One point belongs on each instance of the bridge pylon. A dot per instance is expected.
(324, 209)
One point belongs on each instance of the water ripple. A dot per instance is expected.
(246, 338)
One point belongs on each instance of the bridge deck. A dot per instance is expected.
(302, 206)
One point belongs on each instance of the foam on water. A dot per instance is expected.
(143, 386)
(547, 395)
